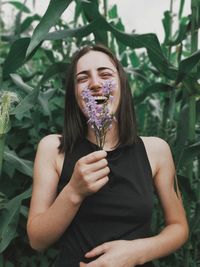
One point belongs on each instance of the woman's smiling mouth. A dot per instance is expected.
(100, 99)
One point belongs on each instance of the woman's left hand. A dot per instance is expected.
(112, 254)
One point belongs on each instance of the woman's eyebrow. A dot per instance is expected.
(82, 72)
(98, 69)
(105, 68)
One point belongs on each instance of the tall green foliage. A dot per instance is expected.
(166, 91)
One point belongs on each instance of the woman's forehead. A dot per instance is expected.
(94, 60)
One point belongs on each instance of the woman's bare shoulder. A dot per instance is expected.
(157, 150)
(50, 142)
(48, 150)
(154, 142)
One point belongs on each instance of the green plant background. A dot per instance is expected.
(165, 84)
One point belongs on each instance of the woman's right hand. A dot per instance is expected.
(90, 174)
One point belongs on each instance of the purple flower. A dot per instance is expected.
(108, 87)
(99, 116)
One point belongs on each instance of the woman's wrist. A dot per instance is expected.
(74, 197)
(137, 251)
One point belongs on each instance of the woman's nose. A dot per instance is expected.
(95, 83)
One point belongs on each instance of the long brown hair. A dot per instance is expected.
(75, 123)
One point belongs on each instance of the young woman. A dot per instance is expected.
(98, 203)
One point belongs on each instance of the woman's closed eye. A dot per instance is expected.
(81, 79)
(106, 75)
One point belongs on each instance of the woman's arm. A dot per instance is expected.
(49, 214)
(175, 232)
(173, 236)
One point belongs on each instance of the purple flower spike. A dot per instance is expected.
(108, 87)
(100, 118)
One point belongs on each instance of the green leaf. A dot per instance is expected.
(57, 68)
(154, 88)
(112, 13)
(195, 221)
(28, 21)
(9, 223)
(51, 16)
(9, 219)
(181, 34)
(49, 55)
(19, 6)
(26, 104)
(182, 3)
(91, 12)
(8, 169)
(119, 25)
(148, 41)
(186, 66)
(182, 133)
(22, 165)
(16, 56)
(134, 59)
(78, 11)
(77, 32)
(167, 25)
(44, 101)
(186, 187)
(189, 153)
(90, 9)
(1, 260)
(24, 211)
(20, 83)
(2, 146)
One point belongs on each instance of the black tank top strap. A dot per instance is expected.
(145, 155)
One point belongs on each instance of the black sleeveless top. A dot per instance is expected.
(121, 210)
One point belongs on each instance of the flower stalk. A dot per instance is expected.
(98, 113)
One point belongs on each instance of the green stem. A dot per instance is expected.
(2, 145)
(105, 7)
(194, 20)
(181, 6)
(192, 117)
(171, 95)
(171, 6)
(170, 28)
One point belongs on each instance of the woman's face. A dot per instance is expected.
(93, 70)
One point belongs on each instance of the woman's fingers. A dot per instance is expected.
(98, 165)
(94, 157)
(94, 187)
(90, 173)
(94, 176)
(97, 250)
(96, 169)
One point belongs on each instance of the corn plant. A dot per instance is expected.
(6, 100)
